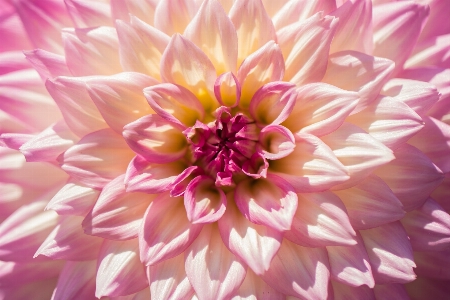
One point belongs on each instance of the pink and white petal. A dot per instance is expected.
(263, 66)
(77, 281)
(428, 227)
(253, 26)
(390, 253)
(86, 13)
(213, 32)
(227, 90)
(434, 142)
(14, 140)
(311, 167)
(24, 230)
(143, 9)
(97, 158)
(72, 98)
(47, 64)
(320, 109)
(368, 74)
(295, 10)
(321, 220)
(175, 104)
(276, 142)
(396, 28)
(371, 203)
(119, 271)
(168, 280)
(305, 46)
(159, 237)
(141, 47)
(423, 288)
(342, 291)
(390, 122)
(411, 176)
(419, 96)
(358, 151)
(350, 264)
(253, 287)
(67, 241)
(119, 98)
(254, 244)
(73, 199)
(270, 202)
(48, 16)
(117, 214)
(213, 271)
(299, 271)
(390, 291)
(14, 274)
(432, 52)
(92, 51)
(155, 139)
(172, 16)
(354, 31)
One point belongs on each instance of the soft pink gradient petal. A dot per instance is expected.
(88, 13)
(47, 64)
(73, 199)
(143, 9)
(76, 281)
(172, 16)
(253, 287)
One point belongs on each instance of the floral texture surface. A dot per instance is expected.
(224, 149)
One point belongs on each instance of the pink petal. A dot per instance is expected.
(155, 139)
(12, 31)
(175, 103)
(227, 90)
(270, 202)
(358, 151)
(172, 16)
(86, 13)
(183, 63)
(345, 292)
(12, 61)
(73, 199)
(77, 281)
(47, 64)
(428, 288)
(169, 281)
(411, 176)
(254, 244)
(390, 253)
(263, 66)
(67, 241)
(272, 7)
(141, 46)
(76, 106)
(143, 9)
(311, 167)
(254, 286)
(97, 158)
(254, 27)
(433, 264)
(276, 141)
(213, 271)
(320, 109)
(117, 214)
(368, 74)
(119, 270)
(390, 291)
(437, 22)
(390, 122)
(91, 51)
(299, 271)
(119, 98)
(442, 192)
(350, 264)
(305, 46)
(159, 237)
(212, 31)
(321, 220)
(18, 274)
(432, 52)
(14, 140)
(371, 203)
(396, 28)
(428, 227)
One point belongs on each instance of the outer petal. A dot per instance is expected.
(433, 52)
(89, 13)
(433, 264)
(423, 288)
(13, 33)
(119, 270)
(390, 291)
(172, 16)
(371, 203)
(117, 214)
(160, 238)
(305, 46)
(143, 9)
(97, 158)
(390, 253)
(119, 98)
(311, 167)
(253, 25)
(255, 244)
(47, 64)
(437, 23)
(73, 199)
(358, 152)
(298, 271)
(411, 176)
(77, 281)
(14, 274)
(213, 271)
(212, 31)
(321, 220)
(253, 287)
(345, 292)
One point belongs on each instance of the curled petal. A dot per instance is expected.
(227, 90)
(276, 141)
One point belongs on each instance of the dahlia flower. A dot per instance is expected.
(224, 149)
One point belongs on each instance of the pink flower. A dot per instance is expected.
(220, 149)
